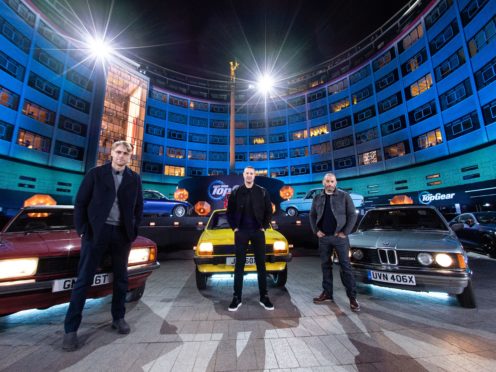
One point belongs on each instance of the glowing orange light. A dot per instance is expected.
(401, 199)
(202, 208)
(273, 208)
(39, 199)
(286, 192)
(181, 194)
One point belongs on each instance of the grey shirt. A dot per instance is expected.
(114, 217)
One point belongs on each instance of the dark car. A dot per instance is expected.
(157, 204)
(39, 255)
(412, 248)
(478, 231)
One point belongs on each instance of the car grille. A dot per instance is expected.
(231, 249)
(65, 265)
(392, 257)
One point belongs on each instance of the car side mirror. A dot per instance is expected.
(457, 226)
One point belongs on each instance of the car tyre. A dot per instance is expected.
(201, 280)
(179, 211)
(489, 246)
(292, 212)
(467, 297)
(280, 278)
(135, 294)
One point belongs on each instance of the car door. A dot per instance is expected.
(307, 201)
(155, 204)
(468, 234)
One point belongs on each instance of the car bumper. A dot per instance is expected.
(452, 282)
(218, 264)
(23, 295)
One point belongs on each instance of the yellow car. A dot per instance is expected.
(215, 252)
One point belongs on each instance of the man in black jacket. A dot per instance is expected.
(332, 217)
(107, 213)
(249, 211)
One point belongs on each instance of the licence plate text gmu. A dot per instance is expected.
(68, 283)
(381, 276)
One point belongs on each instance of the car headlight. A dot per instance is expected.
(279, 246)
(357, 254)
(18, 267)
(206, 248)
(425, 258)
(139, 255)
(444, 260)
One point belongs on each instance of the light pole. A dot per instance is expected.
(232, 129)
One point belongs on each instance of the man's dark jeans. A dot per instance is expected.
(114, 241)
(341, 245)
(241, 240)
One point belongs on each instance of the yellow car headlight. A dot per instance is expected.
(280, 246)
(18, 267)
(139, 255)
(444, 260)
(205, 248)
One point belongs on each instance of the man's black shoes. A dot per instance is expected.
(235, 304)
(70, 342)
(265, 302)
(121, 326)
(323, 297)
(354, 305)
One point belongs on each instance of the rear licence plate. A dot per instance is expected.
(60, 285)
(232, 261)
(403, 279)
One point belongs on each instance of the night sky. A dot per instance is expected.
(201, 37)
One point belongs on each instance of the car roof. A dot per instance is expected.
(42, 207)
(404, 207)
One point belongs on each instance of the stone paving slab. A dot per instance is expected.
(175, 327)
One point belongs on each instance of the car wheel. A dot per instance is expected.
(135, 294)
(201, 280)
(292, 212)
(280, 277)
(179, 211)
(489, 246)
(467, 297)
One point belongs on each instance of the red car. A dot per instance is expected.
(39, 255)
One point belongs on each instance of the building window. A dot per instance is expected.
(43, 86)
(277, 122)
(449, 65)
(383, 60)
(319, 131)
(411, 38)
(159, 96)
(178, 135)
(47, 60)
(176, 101)
(366, 135)
(38, 113)
(317, 112)
(346, 162)
(298, 135)
(254, 124)
(197, 155)
(426, 140)
(398, 149)
(279, 172)
(155, 130)
(293, 102)
(192, 171)
(218, 124)
(341, 123)
(443, 37)
(362, 94)
(295, 118)
(154, 149)
(394, 125)
(79, 80)
(315, 96)
(68, 151)
(298, 152)
(420, 86)
(11, 66)
(8, 98)
(423, 112)
(486, 75)
(456, 94)
(218, 140)
(365, 114)
(76, 103)
(276, 138)
(177, 118)
(322, 166)
(72, 125)
(240, 140)
(221, 109)
(386, 81)
(436, 13)
(217, 172)
(33, 141)
(489, 111)
(172, 170)
(175, 152)
(6, 131)
(257, 140)
(462, 126)
(470, 11)
(217, 156)
(341, 143)
(321, 148)
(14, 35)
(369, 157)
(482, 38)
(157, 113)
(390, 102)
(198, 122)
(22, 11)
(51, 36)
(278, 154)
(359, 75)
(198, 106)
(257, 156)
(414, 63)
(337, 87)
(300, 169)
(240, 156)
(197, 138)
(339, 105)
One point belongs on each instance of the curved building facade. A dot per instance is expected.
(410, 108)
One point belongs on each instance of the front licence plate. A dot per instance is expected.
(60, 285)
(232, 261)
(381, 276)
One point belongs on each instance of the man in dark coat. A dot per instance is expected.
(107, 213)
(249, 211)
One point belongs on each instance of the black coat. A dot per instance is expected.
(262, 207)
(96, 196)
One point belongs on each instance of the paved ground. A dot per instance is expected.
(176, 327)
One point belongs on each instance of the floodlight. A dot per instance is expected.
(265, 84)
(99, 48)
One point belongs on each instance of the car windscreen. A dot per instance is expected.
(402, 219)
(43, 220)
(486, 218)
(218, 221)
